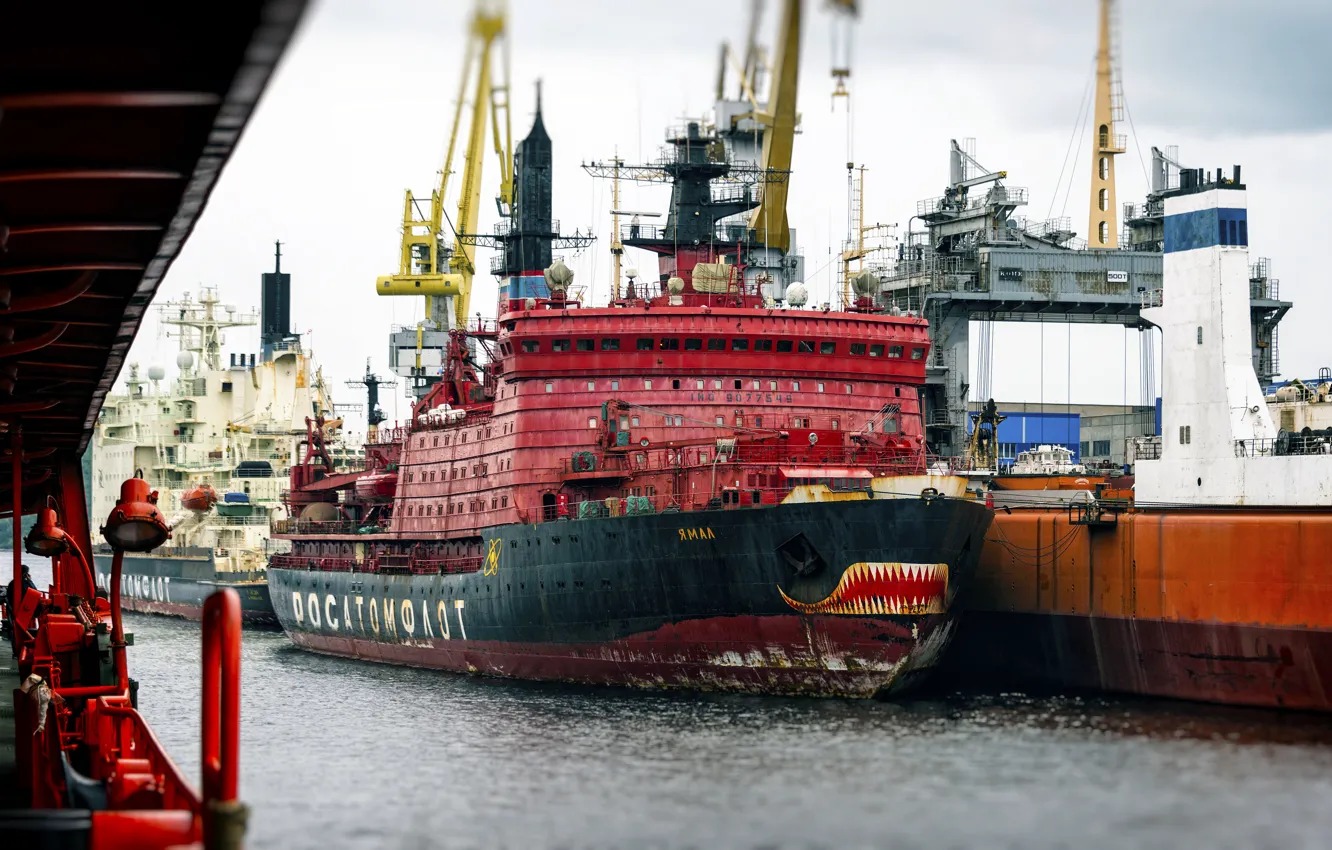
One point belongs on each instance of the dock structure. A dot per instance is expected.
(978, 260)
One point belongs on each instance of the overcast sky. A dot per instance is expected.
(360, 108)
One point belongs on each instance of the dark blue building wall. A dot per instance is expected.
(1022, 431)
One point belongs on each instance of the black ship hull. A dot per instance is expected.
(847, 598)
(176, 586)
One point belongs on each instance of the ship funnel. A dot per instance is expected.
(275, 321)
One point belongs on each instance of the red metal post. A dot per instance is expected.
(117, 624)
(16, 604)
(224, 816)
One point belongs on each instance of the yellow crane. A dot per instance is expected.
(430, 264)
(1103, 227)
(768, 221)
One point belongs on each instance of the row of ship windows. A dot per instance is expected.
(462, 436)
(755, 385)
(781, 346)
(496, 502)
(479, 470)
(627, 422)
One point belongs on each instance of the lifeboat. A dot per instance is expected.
(380, 487)
(198, 499)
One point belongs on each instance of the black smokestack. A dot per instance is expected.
(275, 317)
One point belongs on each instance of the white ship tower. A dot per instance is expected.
(1218, 445)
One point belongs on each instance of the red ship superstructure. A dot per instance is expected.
(687, 489)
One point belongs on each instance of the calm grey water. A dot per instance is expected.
(347, 754)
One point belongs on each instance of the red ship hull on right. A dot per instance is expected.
(1211, 580)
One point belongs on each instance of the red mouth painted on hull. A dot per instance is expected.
(883, 588)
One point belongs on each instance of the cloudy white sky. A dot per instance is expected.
(360, 108)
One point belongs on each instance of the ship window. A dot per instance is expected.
(756, 384)
(716, 345)
(226, 386)
(421, 445)
(1244, 233)
(721, 420)
(795, 386)
(462, 438)
(763, 345)
(476, 469)
(849, 389)
(772, 386)
(836, 424)
(890, 425)
(624, 422)
(716, 383)
(591, 421)
(453, 473)
(897, 391)
(1221, 237)
(679, 421)
(439, 509)
(894, 350)
(644, 344)
(494, 503)
(917, 353)
(559, 345)
(550, 386)
(758, 421)
(1103, 232)
(450, 507)
(647, 383)
(487, 432)
(827, 348)
(820, 386)
(633, 422)
(504, 503)
(446, 439)
(610, 344)
(738, 383)
(409, 510)
(1185, 434)
(806, 346)
(429, 510)
(739, 345)
(858, 348)
(784, 346)
(1200, 334)
(591, 386)
(586, 344)
(670, 344)
(675, 383)
(1105, 167)
(1234, 232)
(435, 443)
(698, 384)
(694, 344)
(876, 351)
(615, 384)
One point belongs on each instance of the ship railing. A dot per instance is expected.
(1151, 298)
(383, 565)
(1142, 448)
(306, 526)
(1285, 445)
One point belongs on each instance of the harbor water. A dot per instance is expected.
(337, 753)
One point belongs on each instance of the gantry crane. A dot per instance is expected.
(432, 265)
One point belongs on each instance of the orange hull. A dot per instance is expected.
(1046, 482)
(1219, 605)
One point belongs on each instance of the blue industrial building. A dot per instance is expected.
(1094, 433)
(1025, 430)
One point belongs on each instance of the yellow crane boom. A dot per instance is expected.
(428, 266)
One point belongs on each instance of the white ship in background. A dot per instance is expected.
(226, 429)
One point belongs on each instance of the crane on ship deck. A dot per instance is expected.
(432, 265)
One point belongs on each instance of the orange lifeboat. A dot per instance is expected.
(198, 499)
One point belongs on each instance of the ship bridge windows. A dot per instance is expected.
(716, 344)
(858, 349)
(559, 345)
(531, 346)
(739, 344)
(876, 351)
(784, 346)
(918, 353)
(586, 344)
(669, 343)
(806, 346)
(610, 343)
(694, 344)
(827, 347)
(644, 344)
(895, 350)
(763, 345)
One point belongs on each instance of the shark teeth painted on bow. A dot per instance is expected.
(883, 588)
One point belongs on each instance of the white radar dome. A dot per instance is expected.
(156, 372)
(797, 295)
(631, 272)
(185, 360)
(675, 285)
(865, 283)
